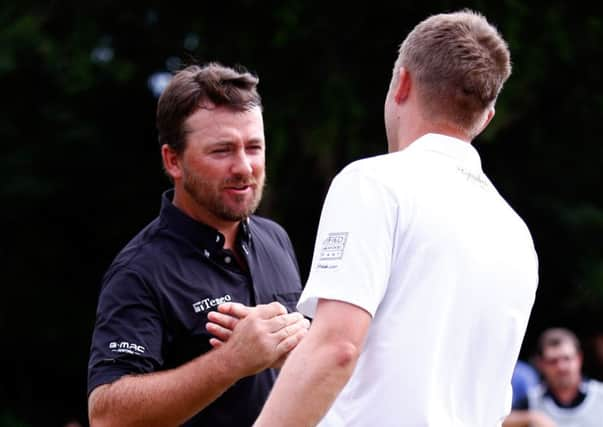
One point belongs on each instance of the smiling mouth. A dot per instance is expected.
(240, 187)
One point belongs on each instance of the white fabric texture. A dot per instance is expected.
(423, 242)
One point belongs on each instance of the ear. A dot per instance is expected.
(403, 86)
(489, 117)
(171, 162)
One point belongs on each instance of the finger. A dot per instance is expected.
(268, 311)
(279, 322)
(216, 343)
(218, 331)
(225, 320)
(292, 329)
(289, 343)
(234, 309)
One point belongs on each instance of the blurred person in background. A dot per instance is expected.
(525, 376)
(565, 398)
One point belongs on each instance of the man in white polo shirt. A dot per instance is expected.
(423, 277)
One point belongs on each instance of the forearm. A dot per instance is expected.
(308, 384)
(162, 398)
(320, 366)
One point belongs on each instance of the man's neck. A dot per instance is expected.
(230, 230)
(569, 396)
(566, 396)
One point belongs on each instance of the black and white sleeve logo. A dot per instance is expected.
(331, 250)
(126, 347)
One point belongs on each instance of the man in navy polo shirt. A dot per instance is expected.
(151, 361)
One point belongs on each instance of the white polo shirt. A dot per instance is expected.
(422, 241)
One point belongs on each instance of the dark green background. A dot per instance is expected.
(80, 170)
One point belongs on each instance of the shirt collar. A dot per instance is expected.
(580, 396)
(200, 234)
(448, 146)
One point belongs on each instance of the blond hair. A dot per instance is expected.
(459, 63)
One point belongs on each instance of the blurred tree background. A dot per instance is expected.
(80, 167)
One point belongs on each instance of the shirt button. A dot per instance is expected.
(227, 260)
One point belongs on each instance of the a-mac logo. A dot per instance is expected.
(208, 303)
(126, 347)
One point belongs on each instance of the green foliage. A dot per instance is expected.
(9, 420)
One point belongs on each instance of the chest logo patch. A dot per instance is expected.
(207, 303)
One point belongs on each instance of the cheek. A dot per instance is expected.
(258, 166)
(209, 169)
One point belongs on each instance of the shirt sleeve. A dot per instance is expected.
(521, 405)
(127, 337)
(353, 249)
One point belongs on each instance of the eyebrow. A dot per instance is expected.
(225, 143)
(256, 140)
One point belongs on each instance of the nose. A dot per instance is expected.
(242, 164)
(563, 363)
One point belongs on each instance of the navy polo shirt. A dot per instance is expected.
(156, 294)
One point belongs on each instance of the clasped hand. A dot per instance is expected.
(259, 337)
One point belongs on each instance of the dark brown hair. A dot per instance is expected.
(554, 337)
(208, 86)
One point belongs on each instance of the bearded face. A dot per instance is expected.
(219, 177)
(232, 198)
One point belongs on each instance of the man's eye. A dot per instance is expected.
(220, 151)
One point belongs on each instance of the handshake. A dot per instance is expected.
(255, 338)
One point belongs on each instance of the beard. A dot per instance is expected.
(208, 195)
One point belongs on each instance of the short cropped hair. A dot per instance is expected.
(554, 337)
(208, 86)
(460, 63)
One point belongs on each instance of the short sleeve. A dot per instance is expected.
(521, 404)
(127, 337)
(353, 249)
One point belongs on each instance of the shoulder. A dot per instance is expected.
(375, 166)
(388, 172)
(594, 386)
(368, 183)
(370, 172)
(140, 253)
(536, 392)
